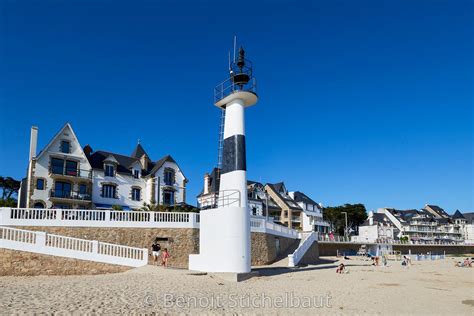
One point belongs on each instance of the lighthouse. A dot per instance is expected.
(224, 236)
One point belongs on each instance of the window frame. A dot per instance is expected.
(53, 166)
(61, 146)
(106, 172)
(134, 193)
(43, 184)
(172, 197)
(136, 173)
(113, 191)
(169, 174)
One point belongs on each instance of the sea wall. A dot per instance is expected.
(181, 242)
(266, 248)
(331, 249)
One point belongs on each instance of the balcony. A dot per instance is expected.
(296, 219)
(68, 173)
(69, 195)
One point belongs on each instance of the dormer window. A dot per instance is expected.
(109, 171)
(65, 147)
(136, 174)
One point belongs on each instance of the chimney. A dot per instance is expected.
(144, 161)
(206, 183)
(88, 150)
(33, 141)
(371, 218)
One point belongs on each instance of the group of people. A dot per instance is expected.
(157, 253)
(467, 263)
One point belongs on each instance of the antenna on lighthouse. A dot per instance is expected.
(235, 45)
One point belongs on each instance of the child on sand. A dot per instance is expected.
(165, 257)
(341, 268)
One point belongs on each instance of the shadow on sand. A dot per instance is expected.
(321, 264)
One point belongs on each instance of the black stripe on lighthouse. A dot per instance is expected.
(233, 156)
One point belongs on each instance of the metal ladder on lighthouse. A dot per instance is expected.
(221, 140)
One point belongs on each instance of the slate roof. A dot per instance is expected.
(138, 152)
(301, 197)
(278, 186)
(125, 163)
(407, 215)
(438, 210)
(160, 163)
(458, 215)
(287, 200)
(469, 217)
(97, 158)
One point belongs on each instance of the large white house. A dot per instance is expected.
(65, 175)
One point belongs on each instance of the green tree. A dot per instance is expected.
(8, 203)
(117, 207)
(356, 215)
(9, 187)
(153, 207)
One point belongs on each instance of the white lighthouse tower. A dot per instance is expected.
(224, 237)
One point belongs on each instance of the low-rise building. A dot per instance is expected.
(274, 201)
(312, 215)
(376, 229)
(65, 175)
(430, 224)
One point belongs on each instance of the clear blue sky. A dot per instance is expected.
(360, 101)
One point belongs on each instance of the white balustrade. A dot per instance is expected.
(69, 247)
(96, 218)
(261, 225)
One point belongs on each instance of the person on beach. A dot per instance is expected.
(467, 263)
(340, 268)
(155, 248)
(165, 257)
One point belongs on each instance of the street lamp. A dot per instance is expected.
(345, 230)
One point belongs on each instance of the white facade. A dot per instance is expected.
(374, 233)
(468, 233)
(64, 176)
(45, 175)
(312, 216)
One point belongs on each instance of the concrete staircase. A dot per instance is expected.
(307, 240)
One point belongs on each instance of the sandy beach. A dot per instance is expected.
(427, 287)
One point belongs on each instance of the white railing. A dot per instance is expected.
(227, 198)
(260, 225)
(305, 245)
(323, 238)
(96, 218)
(69, 247)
